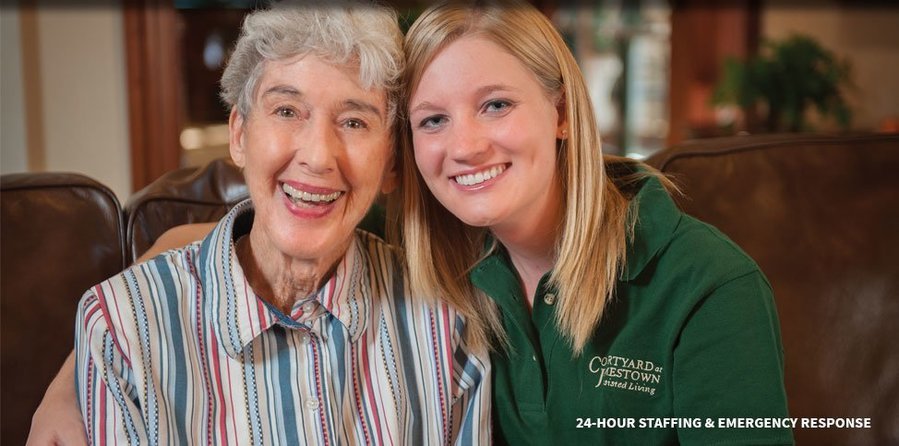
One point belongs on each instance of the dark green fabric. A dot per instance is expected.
(692, 332)
(374, 220)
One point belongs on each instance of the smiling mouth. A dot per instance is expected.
(310, 199)
(474, 179)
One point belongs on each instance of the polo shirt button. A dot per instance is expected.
(534, 357)
(549, 298)
(312, 404)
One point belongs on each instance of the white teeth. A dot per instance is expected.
(480, 177)
(296, 195)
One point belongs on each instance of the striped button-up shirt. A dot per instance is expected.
(180, 350)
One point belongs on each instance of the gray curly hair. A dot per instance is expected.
(357, 34)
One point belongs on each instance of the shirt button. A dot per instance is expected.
(308, 307)
(312, 404)
(304, 338)
(549, 298)
(534, 357)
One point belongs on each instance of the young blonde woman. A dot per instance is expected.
(614, 318)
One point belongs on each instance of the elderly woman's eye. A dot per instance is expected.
(355, 124)
(286, 112)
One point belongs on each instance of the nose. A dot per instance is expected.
(319, 147)
(468, 142)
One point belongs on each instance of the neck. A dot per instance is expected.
(279, 279)
(531, 244)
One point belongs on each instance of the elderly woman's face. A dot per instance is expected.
(315, 149)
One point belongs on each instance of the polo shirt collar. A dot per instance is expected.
(238, 316)
(657, 219)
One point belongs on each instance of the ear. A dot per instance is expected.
(391, 179)
(561, 111)
(235, 138)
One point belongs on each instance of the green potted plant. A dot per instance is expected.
(776, 89)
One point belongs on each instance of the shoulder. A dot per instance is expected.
(383, 261)
(679, 261)
(126, 301)
(678, 242)
(702, 272)
(700, 247)
(389, 281)
(374, 245)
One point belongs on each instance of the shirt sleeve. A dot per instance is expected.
(471, 393)
(103, 379)
(728, 364)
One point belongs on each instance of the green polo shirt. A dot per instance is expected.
(691, 337)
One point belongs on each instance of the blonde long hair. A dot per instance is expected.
(591, 245)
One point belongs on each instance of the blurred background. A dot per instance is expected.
(124, 91)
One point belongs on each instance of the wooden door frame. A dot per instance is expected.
(155, 110)
(703, 35)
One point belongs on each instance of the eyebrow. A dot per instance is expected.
(363, 106)
(480, 92)
(486, 89)
(349, 104)
(285, 90)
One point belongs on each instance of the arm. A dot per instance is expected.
(104, 380)
(472, 396)
(729, 364)
(176, 237)
(57, 420)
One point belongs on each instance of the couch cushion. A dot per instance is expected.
(188, 195)
(820, 215)
(62, 233)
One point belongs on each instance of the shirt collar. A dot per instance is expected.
(238, 316)
(657, 218)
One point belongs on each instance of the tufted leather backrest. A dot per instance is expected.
(62, 233)
(820, 215)
(188, 195)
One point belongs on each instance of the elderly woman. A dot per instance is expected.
(286, 325)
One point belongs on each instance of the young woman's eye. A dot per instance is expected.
(432, 122)
(496, 105)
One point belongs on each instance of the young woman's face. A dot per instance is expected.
(484, 132)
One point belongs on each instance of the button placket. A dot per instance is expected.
(313, 403)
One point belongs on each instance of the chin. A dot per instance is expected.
(478, 221)
(311, 244)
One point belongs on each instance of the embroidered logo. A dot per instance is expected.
(619, 372)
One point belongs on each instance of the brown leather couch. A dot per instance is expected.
(819, 214)
(61, 234)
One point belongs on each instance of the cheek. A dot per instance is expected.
(538, 141)
(271, 152)
(427, 154)
(367, 162)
